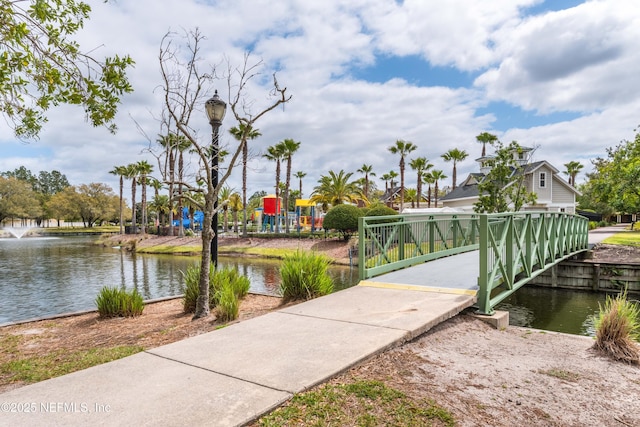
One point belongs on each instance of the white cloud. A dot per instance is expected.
(572, 60)
(582, 59)
(453, 32)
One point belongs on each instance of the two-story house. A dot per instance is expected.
(554, 194)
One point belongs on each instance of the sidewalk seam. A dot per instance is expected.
(347, 321)
(216, 372)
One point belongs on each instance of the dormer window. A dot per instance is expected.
(542, 180)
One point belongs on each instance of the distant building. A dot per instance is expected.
(554, 194)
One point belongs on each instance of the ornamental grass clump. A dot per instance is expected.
(114, 302)
(228, 302)
(231, 277)
(192, 288)
(305, 276)
(226, 288)
(618, 329)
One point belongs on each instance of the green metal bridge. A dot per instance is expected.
(510, 249)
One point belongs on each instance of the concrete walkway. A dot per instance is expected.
(599, 234)
(231, 376)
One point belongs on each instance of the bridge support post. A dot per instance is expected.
(484, 290)
(499, 319)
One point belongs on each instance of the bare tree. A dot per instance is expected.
(185, 88)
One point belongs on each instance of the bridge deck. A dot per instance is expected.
(456, 274)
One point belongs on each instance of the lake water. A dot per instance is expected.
(559, 310)
(45, 276)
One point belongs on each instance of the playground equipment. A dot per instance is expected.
(307, 222)
(271, 211)
(198, 218)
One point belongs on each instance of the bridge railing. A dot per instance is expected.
(516, 247)
(388, 243)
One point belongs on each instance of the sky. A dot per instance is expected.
(560, 76)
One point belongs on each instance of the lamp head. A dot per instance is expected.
(216, 108)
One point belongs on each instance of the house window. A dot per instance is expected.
(542, 183)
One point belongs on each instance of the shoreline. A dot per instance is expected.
(337, 250)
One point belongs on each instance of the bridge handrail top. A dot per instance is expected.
(420, 216)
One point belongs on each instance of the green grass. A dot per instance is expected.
(55, 364)
(171, 250)
(195, 249)
(9, 344)
(626, 238)
(362, 403)
(278, 253)
(77, 230)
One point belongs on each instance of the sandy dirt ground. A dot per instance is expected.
(514, 377)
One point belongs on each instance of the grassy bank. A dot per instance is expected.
(625, 238)
(74, 231)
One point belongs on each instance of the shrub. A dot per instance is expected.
(226, 288)
(344, 219)
(114, 302)
(305, 276)
(231, 276)
(228, 302)
(192, 289)
(618, 329)
(382, 210)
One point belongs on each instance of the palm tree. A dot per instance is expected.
(411, 195)
(455, 155)
(274, 153)
(144, 168)
(573, 168)
(121, 171)
(420, 165)
(437, 175)
(367, 170)
(392, 175)
(486, 138)
(428, 179)
(335, 189)
(167, 142)
(235, 204)
(155, 184)
(223, 200)
(182, 144)
(160, 205)
(244, 133)
(289, 147)
(132, 174)
(402, 148)
(300, 175)
(386, 178)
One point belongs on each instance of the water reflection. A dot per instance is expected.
(551, 309)
(48, 276)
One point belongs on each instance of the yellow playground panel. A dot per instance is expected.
(307, 221)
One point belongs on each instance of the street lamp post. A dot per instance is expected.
(216, 108)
